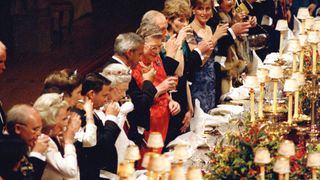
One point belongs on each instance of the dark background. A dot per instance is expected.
(31, 55)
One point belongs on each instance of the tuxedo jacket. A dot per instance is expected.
(103, 156)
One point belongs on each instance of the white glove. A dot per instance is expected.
(126, 108)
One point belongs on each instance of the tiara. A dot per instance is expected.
(74, 75)
(118, 73)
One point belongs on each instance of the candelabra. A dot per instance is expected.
(313, 97)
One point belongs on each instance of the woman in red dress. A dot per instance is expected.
(163, 106)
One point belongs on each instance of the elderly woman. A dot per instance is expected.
(61, 155)
(120, 76)
(163, 106)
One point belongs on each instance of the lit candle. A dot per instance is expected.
(262, 75)
(290, 86)
(282, 26)
(313, 38)
(282, 166)
(155, 142)
(275, 98)
(302, 40)
(262, 157)
(313, 161)
(251, 82)
(294, 47)
(286, 148)
(299, 77)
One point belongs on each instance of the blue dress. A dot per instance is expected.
(204, 84)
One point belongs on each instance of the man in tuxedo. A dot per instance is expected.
(25, 122)
(101, 160)
(3, 58)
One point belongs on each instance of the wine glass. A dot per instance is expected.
(173, 90)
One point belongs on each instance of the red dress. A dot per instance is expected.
(159, 111)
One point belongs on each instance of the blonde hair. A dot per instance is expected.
(117, 73)
(48, 105)
(176, 8)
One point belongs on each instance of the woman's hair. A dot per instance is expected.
(149, 30)
(117, 73)
(64, 81)
(176, 8)
(48, 105)
(195, 3)
(127, 41)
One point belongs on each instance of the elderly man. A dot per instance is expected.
(3, 58)
(25, 122)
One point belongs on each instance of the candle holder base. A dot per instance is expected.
(313, 133)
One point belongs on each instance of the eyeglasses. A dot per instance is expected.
(154, 47)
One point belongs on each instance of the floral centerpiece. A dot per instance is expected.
(236, 160)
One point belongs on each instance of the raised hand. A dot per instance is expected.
(73, 127)
(41, 144)
(240, 28)
(220, 31)
(112, 109)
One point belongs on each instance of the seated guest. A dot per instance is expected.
(101, 160)
(120, 76)
(61, 128)
(25, 122)
(162, 106)
(3, 58)
(12, 159)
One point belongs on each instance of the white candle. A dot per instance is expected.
(252, 105)
(275, 99)
(261, 100)
(314, 59)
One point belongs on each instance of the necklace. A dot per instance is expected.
(202, 31)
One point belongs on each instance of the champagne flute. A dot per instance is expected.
(174, 90)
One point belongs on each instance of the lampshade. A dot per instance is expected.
(313, 37)
(275, 72)
(286, 148)
(166, 163)
(290, 85)
(309, 23)
(126, 170)
(181, 152)
(316, 24)
(251, 82)
(313, 159)
(146, 159)
(302, 39)
(156, 163)
(294, 45)
(262, 156)
(282, 165)
(194, 173)
(282, 25)
(132, 153)
(303, 13)
(155, 140)
(299, 77)
(177, 173)
(262, 74)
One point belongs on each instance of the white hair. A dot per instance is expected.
(117, 73)
(2, 46)
(150, 17)
(48, 105)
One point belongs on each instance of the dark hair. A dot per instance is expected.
(12, 150)
(63, 81)
(95, 82)
(195, 3)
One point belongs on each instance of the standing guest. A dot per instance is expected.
(204, 85)
(162, 106)
(189, 54)
(3, 58)
(120, 76)
(100, 161)
(25, 122)
(128, 48)
(61, 128)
